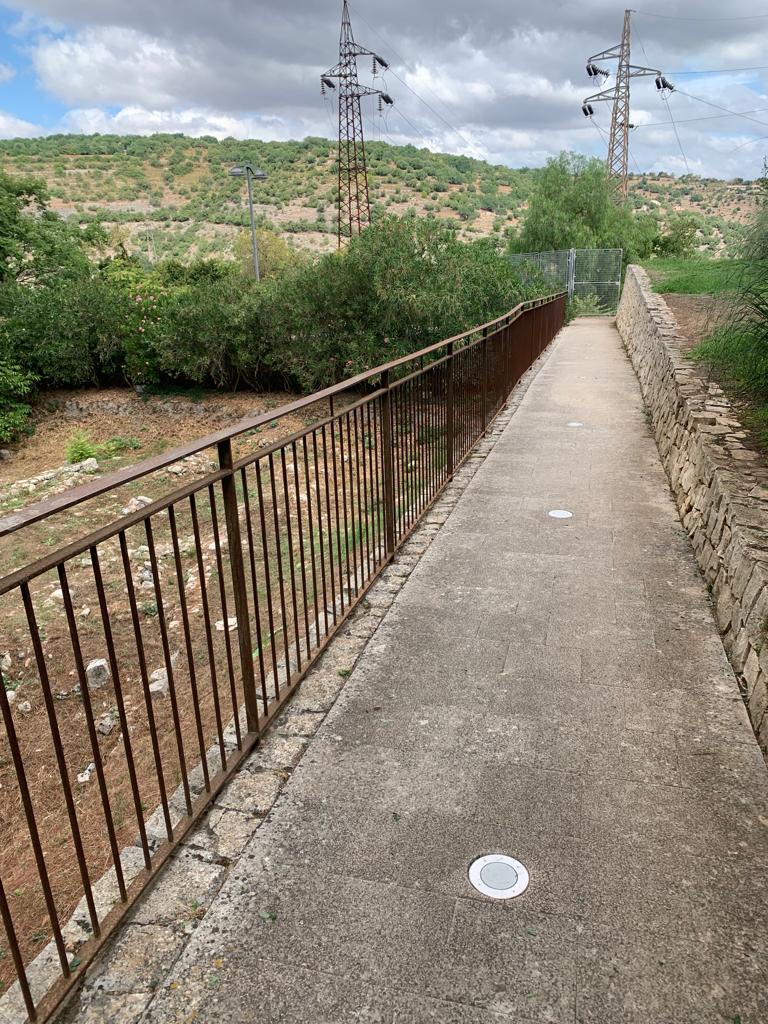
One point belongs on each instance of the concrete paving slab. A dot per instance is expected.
(551, 689)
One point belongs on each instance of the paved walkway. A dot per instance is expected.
(551, 689)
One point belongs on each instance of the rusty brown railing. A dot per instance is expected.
(155, 651)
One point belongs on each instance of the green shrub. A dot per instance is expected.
(80, 447)
(118, 445)
(585, 305)
(15, 385)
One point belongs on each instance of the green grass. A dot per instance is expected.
(696, 276)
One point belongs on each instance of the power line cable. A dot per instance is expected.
(421, 99)
(717, 106)
(749, 142)
(708, 117)
(680, 17)
(719, 71)
(677, 133)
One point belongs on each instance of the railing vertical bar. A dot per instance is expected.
(361, 458)
(145, 682)
(267, 579)
(280, 580)
(13, 942)
(374, 447)
(450, 414)
(185, 625)
(93, 738)
(387, 466)
(225, 614)
(168, 664)
(61, 761)
(320, 539)
(345, 513)
(337, 514)
(239, 590)
(291, 564)
(354, 492)
(118, 688)
(408, 458)
(34, 834)
(326, 475)
(311, 532)
(255, 589)
(208, 630)
(301, 504)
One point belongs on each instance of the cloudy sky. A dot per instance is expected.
(496, 79)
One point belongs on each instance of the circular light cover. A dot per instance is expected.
(574, 423)
(499, 876)
(560, 513)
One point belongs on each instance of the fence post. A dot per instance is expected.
(484, 349)
(234, 546)
(388, 467)
(571, 273)
(450, 455)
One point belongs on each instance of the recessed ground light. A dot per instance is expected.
(498, 876)
(574, 423)
(560, 513)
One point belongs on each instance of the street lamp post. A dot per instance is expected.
(248, 172)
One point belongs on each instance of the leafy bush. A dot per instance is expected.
(574, 207)
(117, 445)
(80, 447)
(15, 385)
(585, 305)
(678, 237)
(739, 348)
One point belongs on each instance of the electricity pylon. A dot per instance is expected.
(354, 204)
(618, 94)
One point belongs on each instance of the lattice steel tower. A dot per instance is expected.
(618, 94)
(354, 204)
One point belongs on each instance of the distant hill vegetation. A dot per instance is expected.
(172, 196)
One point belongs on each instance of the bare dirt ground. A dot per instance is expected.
(697, 315)
(158, 423)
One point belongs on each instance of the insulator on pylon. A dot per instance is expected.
(591, 70)
(327, 82)
(387, 98)
(586, 109)
(380, 60)
(667, 84)
(658, 82)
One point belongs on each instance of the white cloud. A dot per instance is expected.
(137, 120)
(507, 88)
(110, 66)
(15, 128)
(6, 72)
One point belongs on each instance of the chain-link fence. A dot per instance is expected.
(592, 277)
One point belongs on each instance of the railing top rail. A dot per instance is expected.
(75, 496)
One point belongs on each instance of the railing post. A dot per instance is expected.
(450, 455)
(388, 467)
(484, 349)
(234, 546)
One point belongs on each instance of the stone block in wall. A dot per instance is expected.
(719, 484)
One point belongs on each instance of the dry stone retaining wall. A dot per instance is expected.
(719, 483)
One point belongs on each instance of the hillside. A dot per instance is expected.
(169, 195)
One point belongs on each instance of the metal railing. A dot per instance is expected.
(232, 585)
